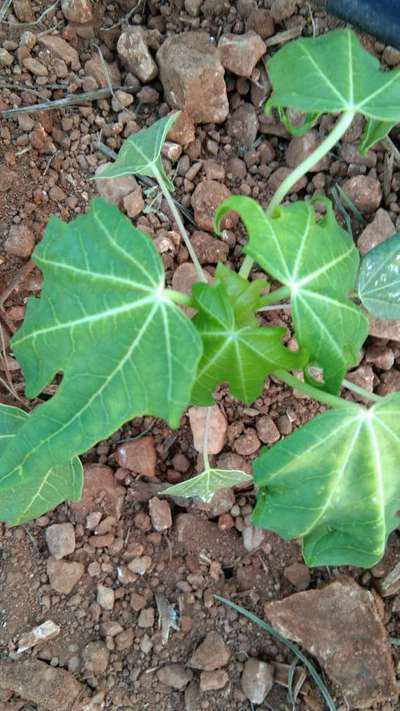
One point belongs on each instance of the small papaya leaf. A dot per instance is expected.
(46, 489)
(205, 485)
(234, 353)
(379, 279)
(245, 297)
(308, 123)
(141, 153)
(105, 322)
(334, 483)
(333, 73)
(374, 131)
(318, 262)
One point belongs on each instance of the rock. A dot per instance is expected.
(208, 248)
(382, 358)
(95, 656)
(391, 56)
(212, 680)
(60, 539)
(134, 203)
(193, 77)
(207, 196)
(267, 430)
(341, 625)
(61, 49)
(35, 67)
(8, 179)
(246, 7)
(260, 21)
(135, 55)
(283, 9)
(146, 618)
(175, 676)
(160, 514)
(279, 175)
(79, 11)
(192, 7)
(6, 59)
(300, 148)
(105, 597)
(242, 126)
(253, 538)
(211, 654)
(384, 329)
(298, 575)
(183, 279)
(364, 377)
(365, 192)
(103, 72)
(43, 633)
(257, 680)
(124, 640)
(23, 10)
(183, 130)
(221, 503)
(52, 689)
(376, 232)
(350, 153)
(390, 382)
(138, 455)
(247, 443)
(217, 428)
(114, 190)
(198, 535)
(140, 565)
(100, 493)
(20, 241)
(64, 575)
(240, 53)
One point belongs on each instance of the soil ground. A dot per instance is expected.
(56, 179)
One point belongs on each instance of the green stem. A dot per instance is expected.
(178, 297)
(181, 226)
(274, 297)
(315, 393)
(245, 269)
(311, 160)
(361, 391)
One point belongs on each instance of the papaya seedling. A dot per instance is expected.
(107, 322)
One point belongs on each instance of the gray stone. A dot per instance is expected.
(175, 676)
(242, 126)
(376, 232)
(114, 189)
(257, 680)
(133, 50)
(60, 539)
(211, 654)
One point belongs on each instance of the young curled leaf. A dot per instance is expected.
(334, 483)
(141, 153)
(45, 489)
(379, 279)
(205, 485)
(334, 73)
(233, 352)
(103, 320)
(318, 262)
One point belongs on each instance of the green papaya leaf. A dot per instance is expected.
(234, 353)
(205, 485)
(374, 131)
(335, 484)
(45, 489)
(334, 73)
(318, 262)
(379, 279)
(106, 323)
(141, 153)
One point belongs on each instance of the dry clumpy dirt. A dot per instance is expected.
(103, 571)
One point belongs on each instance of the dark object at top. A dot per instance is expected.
(380, 18)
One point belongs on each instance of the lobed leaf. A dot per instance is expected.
(379, 279)
(45, 489)
(334, 73)
(318, 262)
(105, 322)
(205, 485)
(141, 153)
(334, 483)
(233, 352)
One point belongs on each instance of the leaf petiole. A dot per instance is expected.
(178, 297)
(361, 391)
(274, 297)
(176, 215)
(319, 395)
